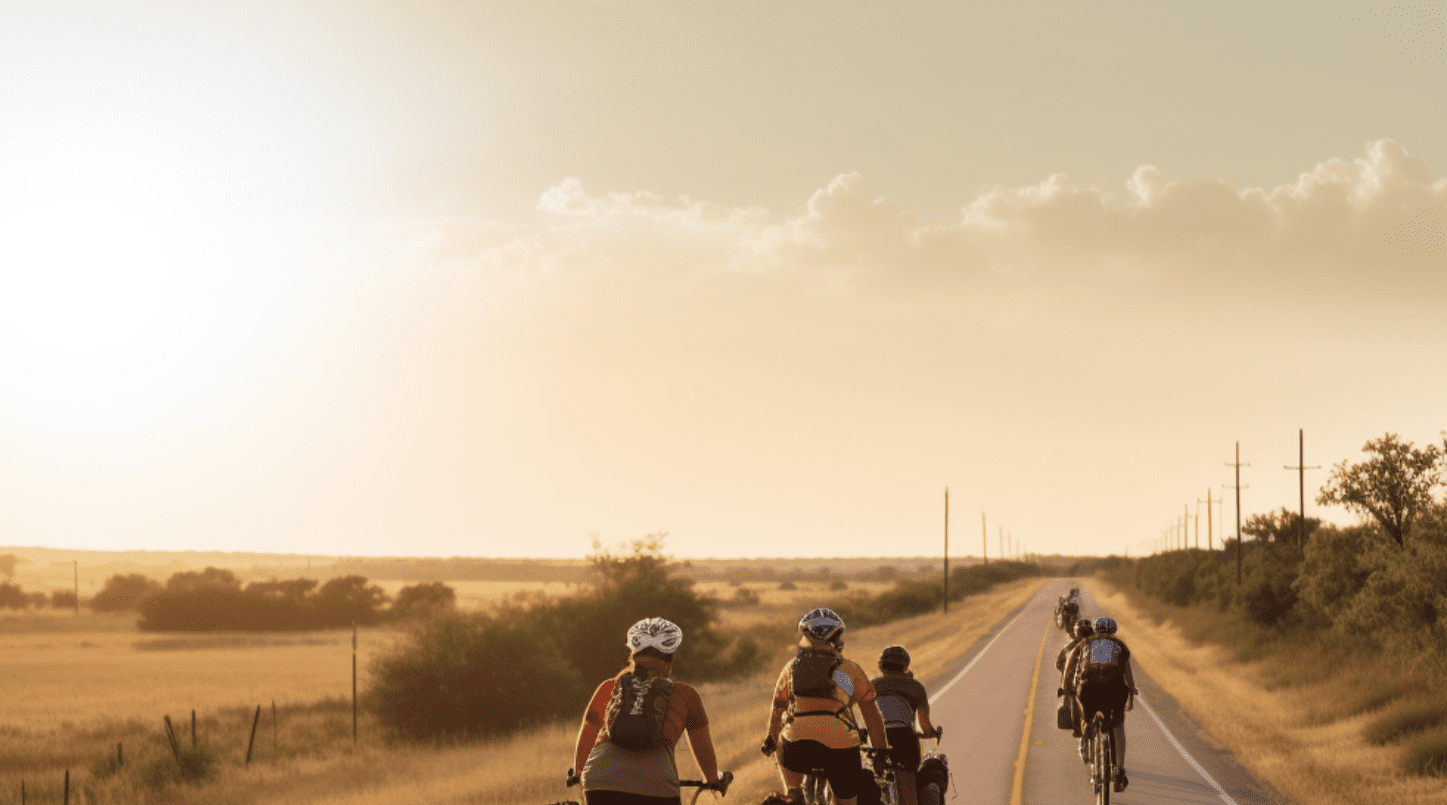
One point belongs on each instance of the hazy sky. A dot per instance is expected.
(427, 278)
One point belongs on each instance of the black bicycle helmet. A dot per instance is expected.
(896, 656)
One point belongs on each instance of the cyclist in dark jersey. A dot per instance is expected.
(901, 699)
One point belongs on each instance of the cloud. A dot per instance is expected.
(1373, 221)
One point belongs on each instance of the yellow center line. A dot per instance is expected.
(1017, 790)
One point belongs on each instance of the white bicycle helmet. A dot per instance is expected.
(654, 633)
(822, 624)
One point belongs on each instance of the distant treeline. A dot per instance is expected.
(214, 599)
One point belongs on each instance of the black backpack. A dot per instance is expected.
(1101, 662)
(813, 673)
(637, 711)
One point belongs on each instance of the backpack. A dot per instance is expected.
(1102, 661)
(813, 673)
(637, 711)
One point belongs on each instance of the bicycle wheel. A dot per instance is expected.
(1104, 750)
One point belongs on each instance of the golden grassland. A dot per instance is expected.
(123, 689)
(1303, 737)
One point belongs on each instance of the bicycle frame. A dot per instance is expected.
(1101, 736)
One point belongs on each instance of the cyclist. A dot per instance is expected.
(1083, 630)
(901, 699)
(1102, 679)
(613, 774)
(1069, 611)
(812, 719)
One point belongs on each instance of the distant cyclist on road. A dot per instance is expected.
(633, 723)
(1102, 679)
(901, 699)
(811, 722)
(1083, 630)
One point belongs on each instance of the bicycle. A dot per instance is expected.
(933, 777)
(722, 787)
(1100, 740)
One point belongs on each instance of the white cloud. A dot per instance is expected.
(1374, 220)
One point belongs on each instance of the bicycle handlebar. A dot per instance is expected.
(722, 786)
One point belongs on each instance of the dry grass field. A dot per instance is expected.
(1305, 739)
(76, 686)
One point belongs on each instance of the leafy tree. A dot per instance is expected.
(349, 599)
(62, 599)
(1394, 485)
(1279, 527)
(124, 592)
(12, 597)
(425, 600)
(8, 561)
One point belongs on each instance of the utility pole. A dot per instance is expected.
(984, 541)
(1198, 525)
(1003, 554)
(1210, 546)
(947, 550)
(1238, 465)
(76, 562)
(1301, 469)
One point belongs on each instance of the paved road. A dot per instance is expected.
(983, 701)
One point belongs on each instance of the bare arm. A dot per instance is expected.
(924, 723)
(875, 722)
(701, 741)
(587, 736)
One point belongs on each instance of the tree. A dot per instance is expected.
(1394, 485)
(124, 592)
(345, 600)
(1278, 527)
(424, 600)
(8, 561)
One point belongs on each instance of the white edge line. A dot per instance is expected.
(1177, 744)
(997, 636)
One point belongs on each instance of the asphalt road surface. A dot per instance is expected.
(997, 706)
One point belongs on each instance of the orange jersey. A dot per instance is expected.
(685, 711)
(852, 687)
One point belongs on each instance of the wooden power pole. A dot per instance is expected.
(1301, 469)
(947, 550)
(1238, 465)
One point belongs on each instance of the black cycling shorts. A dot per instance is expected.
(1102, 698)
(624, 798)
(903, 747)
(841, 767)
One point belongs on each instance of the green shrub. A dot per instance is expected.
(465, 675)
(468, 675)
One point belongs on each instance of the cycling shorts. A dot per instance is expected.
(624, 798)
(1103, 698)
(841, 767)
(903, 747)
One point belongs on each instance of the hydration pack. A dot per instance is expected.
(636, 713)
(813, 673)
(1102, 660)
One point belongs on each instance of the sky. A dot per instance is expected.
(499, 279)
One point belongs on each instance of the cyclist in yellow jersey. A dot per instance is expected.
(812, 721)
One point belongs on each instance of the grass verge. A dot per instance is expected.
(1294, 714)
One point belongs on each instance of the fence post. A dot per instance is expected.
(171, 736)
(193, 729)
(273, 726)
(120, 754)
(67, 787)
(250, 742)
